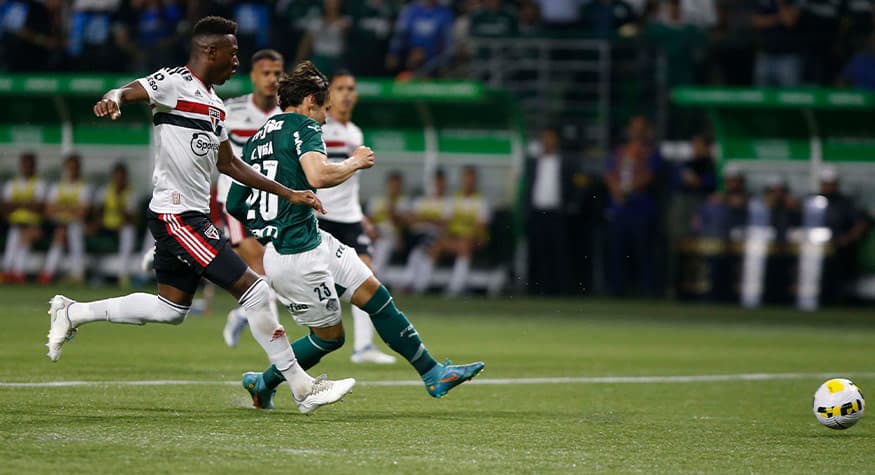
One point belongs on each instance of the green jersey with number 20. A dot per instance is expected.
(275, 151)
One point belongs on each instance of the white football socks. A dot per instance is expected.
(265, 328)
(134, 309)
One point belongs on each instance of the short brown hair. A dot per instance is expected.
(270, 54)
(304, 80)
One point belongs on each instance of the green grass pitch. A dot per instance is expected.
(724, 425)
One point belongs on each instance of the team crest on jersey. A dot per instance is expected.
(215, 118)
(212, 233)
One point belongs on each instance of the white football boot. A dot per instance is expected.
(370, 354)
(323, 393)
(234, 327)
(61, 330)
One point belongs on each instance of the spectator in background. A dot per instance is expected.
(253, 29)
(33, 35)
(422, 42)
(819, 27)
(632, 211)
(388, 215)
(149, 32)
(860, 70)
(529, 24)
(725, 210)
(849, 225)
(115, 205)
(681, 42)
(466, 231)
(370, 33)
(23, 200)
(783, 207)
(548, 175)
(732, 44)
(428, 219)
(91, 46)
(66, 208)
(493, 20)
(324, 42)
(560, 14)
(778, 62)
(693, 181)
(860, 16)
(604, 18)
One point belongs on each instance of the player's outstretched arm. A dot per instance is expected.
(237, 169)
(323, 174)
(111, 103)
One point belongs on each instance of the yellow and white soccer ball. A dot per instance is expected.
(838, 403)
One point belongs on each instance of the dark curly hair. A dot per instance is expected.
(303, 81)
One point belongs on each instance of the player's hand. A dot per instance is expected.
(364, 157)
(306, 198)
(107, 107)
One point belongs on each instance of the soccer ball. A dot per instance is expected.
(838, 403)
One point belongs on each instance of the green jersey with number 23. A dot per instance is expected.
(275, 151)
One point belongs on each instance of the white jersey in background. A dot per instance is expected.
(244, 119)
(341, 201)
(189, 121)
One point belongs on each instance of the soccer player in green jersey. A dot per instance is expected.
(310, 270)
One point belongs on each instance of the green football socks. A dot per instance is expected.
(394, 328)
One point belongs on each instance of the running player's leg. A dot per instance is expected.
(252, 252)
(305, 286)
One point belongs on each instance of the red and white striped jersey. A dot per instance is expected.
(244, 120)
(341, 201)
(189, 120)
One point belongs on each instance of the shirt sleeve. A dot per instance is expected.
(236, 204)
(162, 88)
(309, 139)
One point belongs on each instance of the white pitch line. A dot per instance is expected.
(701, 378)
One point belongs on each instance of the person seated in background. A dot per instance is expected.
(66, 208)
(427, 220)
(725, 210)
(115, 205)
(783, 207)
(388, 216)
(23, 200)
(466, 231)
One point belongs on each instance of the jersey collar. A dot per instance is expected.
(209, 88)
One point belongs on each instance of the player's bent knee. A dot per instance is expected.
(170, 313)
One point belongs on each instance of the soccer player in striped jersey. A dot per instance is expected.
(191, 141)
(346, 221)
(66, 207)
(246, 114)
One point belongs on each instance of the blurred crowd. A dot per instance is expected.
(759, 42)
(638, 210)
